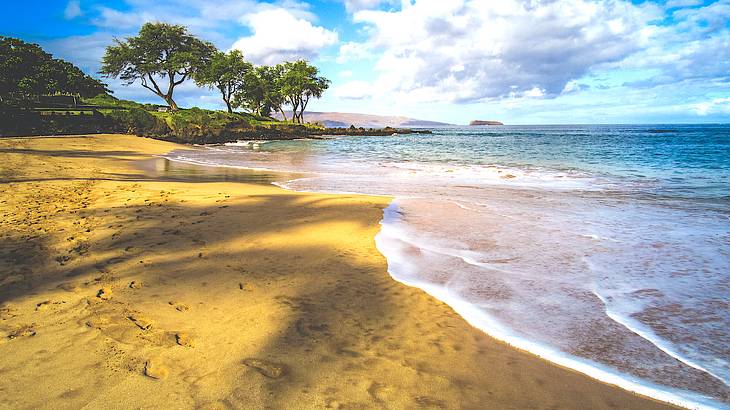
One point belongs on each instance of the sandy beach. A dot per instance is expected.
(122, 289)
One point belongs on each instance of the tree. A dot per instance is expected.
(227, 72)
(261, 93)
(299, 83)
(26, 70)
(160, 52)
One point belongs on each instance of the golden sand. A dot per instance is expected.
(121, 290)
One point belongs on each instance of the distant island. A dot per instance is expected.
(482, 122)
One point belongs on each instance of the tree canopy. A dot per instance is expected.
(159, 53)
(227, 72)
(260, 93)
(299, 83)
(26, 70)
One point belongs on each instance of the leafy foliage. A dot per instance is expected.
(299, 83)
(137, 120)
(260, 93)
(227, 72)
(26, 70)
(160, 52)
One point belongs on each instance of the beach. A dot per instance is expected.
(120, 288)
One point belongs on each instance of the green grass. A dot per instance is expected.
(190, 116)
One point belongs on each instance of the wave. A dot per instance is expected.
(392, 239)
(642, 331)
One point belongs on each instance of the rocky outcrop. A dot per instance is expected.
(485, 122)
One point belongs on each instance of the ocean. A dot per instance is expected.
(603, 248)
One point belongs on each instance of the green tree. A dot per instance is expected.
(26, 70)
(227, 72)
(299, 83)
(261, 93)
(160, 52)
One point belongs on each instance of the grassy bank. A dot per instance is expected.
(106, 114)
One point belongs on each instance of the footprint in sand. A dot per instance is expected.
(7, 311)
(22, 331)
(180, 307)
(141, 321)
(135, 284)
(184, 339)
(104, 293)
(155, 369)
(269, 369)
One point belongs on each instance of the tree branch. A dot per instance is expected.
(155, 90)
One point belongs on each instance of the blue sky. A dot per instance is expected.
(519, 61)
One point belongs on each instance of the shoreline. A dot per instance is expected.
(284, 293)
(481, 321)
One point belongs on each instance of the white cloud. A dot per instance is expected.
(470, 50)
(354, 90)
(345, 74)
(84, 51)
(114, 19)
(715, 105)
(279, 35)
(356, 5)
(72, 10)
(352, 51)
(534, 92)
(682, 3)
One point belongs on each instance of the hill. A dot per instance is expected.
(345, 119)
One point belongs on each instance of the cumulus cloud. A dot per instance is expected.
(354, 90)
(72, 10)
(279, 35)
(352, 51)
(472, 50)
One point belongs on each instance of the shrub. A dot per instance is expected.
(138, 121)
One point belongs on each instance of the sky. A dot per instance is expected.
(517, 61)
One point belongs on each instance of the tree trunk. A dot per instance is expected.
(171, 103)
(283, 114)
(228, 105)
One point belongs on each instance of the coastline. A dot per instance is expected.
(283, 294)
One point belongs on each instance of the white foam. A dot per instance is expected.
(648, 335)
(186, 160)
(400, 269)
(246, 143)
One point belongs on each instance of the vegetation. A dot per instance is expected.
(160, 52)
(226, 72)
(160, 57)
(27, 71)
(163, 52)
(298, 84)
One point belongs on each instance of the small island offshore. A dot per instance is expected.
(485, 122)
(130, 279)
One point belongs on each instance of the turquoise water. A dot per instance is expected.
(602, 248)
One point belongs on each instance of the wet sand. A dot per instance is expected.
(122, 289)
